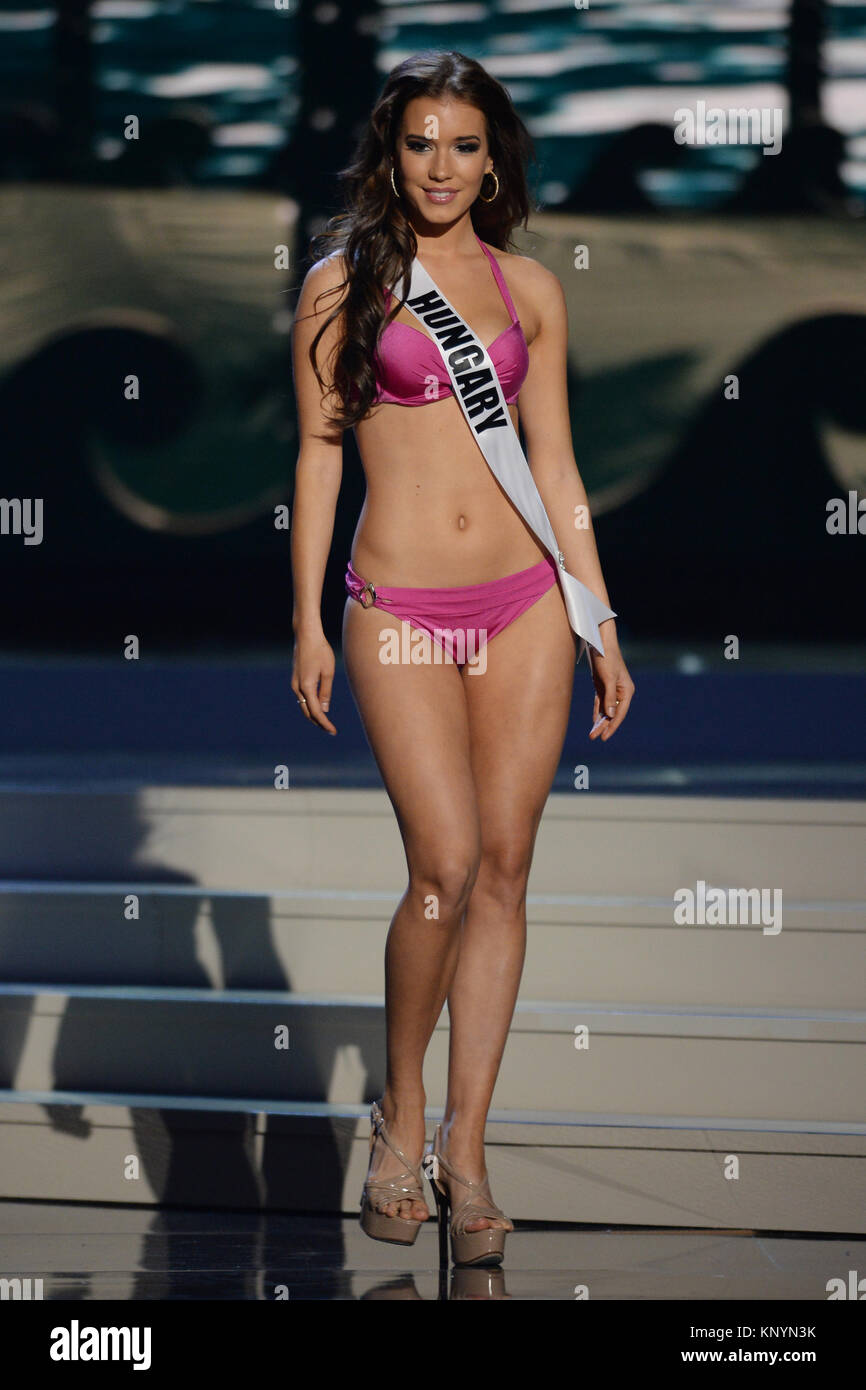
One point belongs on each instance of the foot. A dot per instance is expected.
(468, 1160)
(406, 1132)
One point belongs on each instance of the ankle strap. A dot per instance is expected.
(480, 1204)
(377, 1120)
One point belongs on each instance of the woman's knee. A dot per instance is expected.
(504, 868)
(443, 880)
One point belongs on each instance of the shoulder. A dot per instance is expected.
(534, 288)
(326, 278)
(525, 272)
(543, 288)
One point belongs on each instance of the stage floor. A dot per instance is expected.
(86, 1252)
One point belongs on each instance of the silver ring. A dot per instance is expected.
(302, 701)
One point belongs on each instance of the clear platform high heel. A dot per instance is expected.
(483, 1248)
(379, 1192)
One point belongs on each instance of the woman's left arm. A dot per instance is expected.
(544, 417)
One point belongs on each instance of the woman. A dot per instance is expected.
(467, 748)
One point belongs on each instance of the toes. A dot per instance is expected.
(413, 1210)
(409, 1208)
(478, 1223)
(481, 1223)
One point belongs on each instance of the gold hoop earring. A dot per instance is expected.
(496, 194)
(393, 184)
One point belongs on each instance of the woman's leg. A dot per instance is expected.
(518, 714)
(415, 719)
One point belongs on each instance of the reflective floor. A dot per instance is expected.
(84, 1252)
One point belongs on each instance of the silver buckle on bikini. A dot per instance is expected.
(367, 589)
(560, 558)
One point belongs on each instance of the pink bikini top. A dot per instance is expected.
(404, 364)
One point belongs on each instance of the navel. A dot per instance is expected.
(461, 521)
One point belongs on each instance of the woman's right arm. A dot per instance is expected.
(317, 484)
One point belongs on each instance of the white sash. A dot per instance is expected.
(477, 387)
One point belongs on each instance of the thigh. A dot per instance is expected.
(518, 710)
(415, 719)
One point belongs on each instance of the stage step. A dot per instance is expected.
(185, 1151)
(801, 1066)
(266, 841)
(153, 942)
(330, 942)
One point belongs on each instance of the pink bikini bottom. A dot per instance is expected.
(464, 617)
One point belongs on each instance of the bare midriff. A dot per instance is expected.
(434, 515)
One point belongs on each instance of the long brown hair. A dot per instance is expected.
(377, 241)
